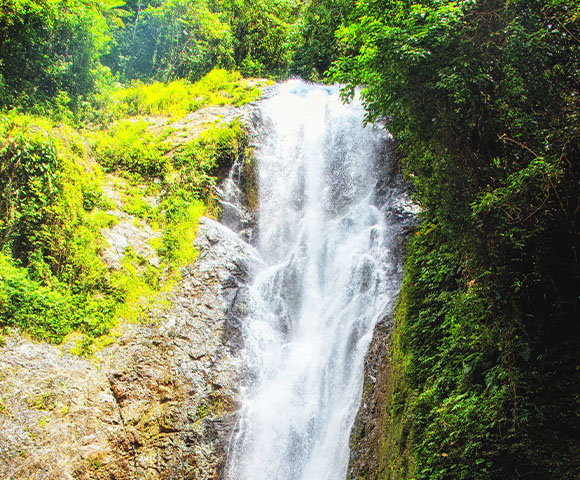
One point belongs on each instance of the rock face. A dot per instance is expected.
(125, 233)
(369, 427)
(157, 404)
(367, 440)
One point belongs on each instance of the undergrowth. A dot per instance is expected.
(175, 99)
(477, 393)
(54, 284)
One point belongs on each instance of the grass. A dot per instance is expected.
(175, 99)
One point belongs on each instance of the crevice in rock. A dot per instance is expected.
(129, 438)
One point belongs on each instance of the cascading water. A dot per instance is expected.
(327, 241)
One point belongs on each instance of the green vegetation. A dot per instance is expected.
(52, 276)
(482, 97)
(175, 99)
(50, 52)
(129, 145)
(317, 45)
(62, 58)
(44, 402)
(53, 206)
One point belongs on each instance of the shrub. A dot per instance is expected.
(128, 145)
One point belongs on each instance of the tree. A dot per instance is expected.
(318, 46)
(50, 51)
(168, 39)
(264, 34)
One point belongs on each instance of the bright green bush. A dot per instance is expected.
(129, 145)
(179, 233)
(175, 99)
(212, 151)
(47, 184)
(49, 311)
(137, 286)
(189, 188)
(52, 279)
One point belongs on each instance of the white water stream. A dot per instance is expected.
(330, 275)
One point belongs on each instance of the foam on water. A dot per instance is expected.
(329, 277)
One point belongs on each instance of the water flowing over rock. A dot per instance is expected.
(259, 355)
(331, 220)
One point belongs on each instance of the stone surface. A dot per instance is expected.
(128, 233)
(157, 404)
(369, 426)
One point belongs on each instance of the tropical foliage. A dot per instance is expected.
(50, 51)
(53, 206)
(56, 55)
(482, 97)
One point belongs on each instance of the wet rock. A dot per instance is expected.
(369, 426)
(157, 404)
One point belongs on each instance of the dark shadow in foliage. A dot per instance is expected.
(484, 100)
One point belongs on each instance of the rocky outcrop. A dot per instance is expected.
(370, 434)
(156, 404)
(127, 233)
(369, 427)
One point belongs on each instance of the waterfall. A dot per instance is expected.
(328, 232)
